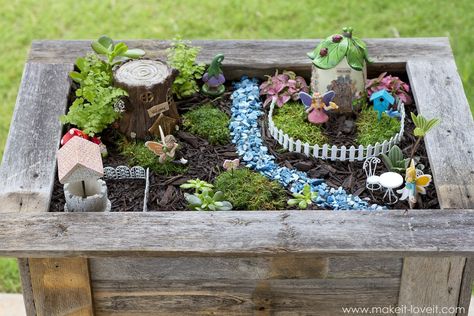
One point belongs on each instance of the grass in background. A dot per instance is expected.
(21, 21)
(9, 277)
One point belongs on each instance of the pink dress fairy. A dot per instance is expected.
(318, 105)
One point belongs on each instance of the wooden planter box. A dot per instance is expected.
(238, 263)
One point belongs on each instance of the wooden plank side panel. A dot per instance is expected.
(242, 297)
(28, 168)
(241, 286)
(260, 57)
(438, 92)
(429, 282)
(26, 286)
(397, 233)
(466, 287)
(61, 286)
(292, 266)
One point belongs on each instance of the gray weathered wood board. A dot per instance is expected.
(242, 297)
(260, 57)
(419, 232)
(29, 161)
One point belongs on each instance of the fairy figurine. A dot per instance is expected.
(165, 149)
(415, 182)
(317, 106)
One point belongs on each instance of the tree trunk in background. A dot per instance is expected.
(150, 102)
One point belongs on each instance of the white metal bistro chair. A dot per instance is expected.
(370, 166)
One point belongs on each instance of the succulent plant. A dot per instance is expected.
(330, 52)
(392, 84)
(204, 198)
(283, 87)
(304, 198)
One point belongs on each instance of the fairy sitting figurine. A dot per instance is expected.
(318, 105)
(415, 182)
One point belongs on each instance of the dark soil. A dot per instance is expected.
(205, 163)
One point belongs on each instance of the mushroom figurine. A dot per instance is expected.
(214, 78)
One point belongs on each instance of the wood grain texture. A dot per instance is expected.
(438, 92)
(29, 161)
(244, 297)
(466, 287)
(260, 57)
(26, 286)
(398, 233)
(431, 282)
(61, 286)
(292, 266)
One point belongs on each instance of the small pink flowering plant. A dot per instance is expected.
(283, 87)
(392, 84)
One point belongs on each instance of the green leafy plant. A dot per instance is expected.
(138, 155)
(93, 109)
(204, 198)
(304, 198)
(291, 118)
(182, 57)
(209, 122)
(422, 127)
(249, 190)
(114, 53)
(371, 131)
(329, 53)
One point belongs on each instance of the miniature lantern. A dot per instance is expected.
(79, 169)
(382, 101)
(150, 102)
(339, 64)
(214, 78)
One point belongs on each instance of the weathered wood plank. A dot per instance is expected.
(244, 297)
(27, 288)
(438, 92)
(398, 233)
(429, 282)
(61, 286)
(27, 171)
(260, 57)
(292, 266)
(466, 287)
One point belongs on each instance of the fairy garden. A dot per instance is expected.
(144, 134)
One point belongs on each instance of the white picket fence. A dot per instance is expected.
(333, 152)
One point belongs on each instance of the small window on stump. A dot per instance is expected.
(147, 97)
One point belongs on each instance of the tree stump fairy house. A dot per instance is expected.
(149, 103)
(339, 64)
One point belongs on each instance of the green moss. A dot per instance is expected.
(291, 118)
(208, 122)
(371, 131)
(248, 190)
(138, 155)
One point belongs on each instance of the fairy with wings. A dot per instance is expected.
(317, 106)
(415, 182)
(165, 149)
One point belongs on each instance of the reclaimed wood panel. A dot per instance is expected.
(291, 266)
(29, 161)
(429, 282)
(397, 233)
(61, 286)
(438, 92)
(242, 297)
(260, 57)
